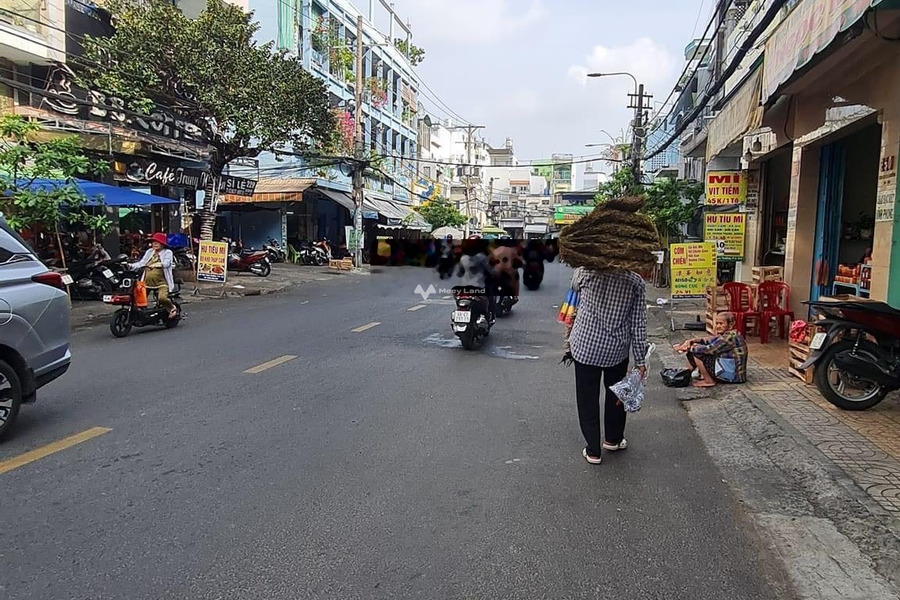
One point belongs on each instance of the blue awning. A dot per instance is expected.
(109, 195)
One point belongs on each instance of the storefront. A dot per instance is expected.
(845, 213)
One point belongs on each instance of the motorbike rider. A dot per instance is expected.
(159, 262)
(476, 271)
(506, 260)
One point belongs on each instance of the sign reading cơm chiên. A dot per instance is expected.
(693, 269)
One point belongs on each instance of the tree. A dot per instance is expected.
(671, 203)
(415, 54)
(441, 213)
(245, 98)
(38, 180)
(621, 184)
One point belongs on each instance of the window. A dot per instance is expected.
(427, 172)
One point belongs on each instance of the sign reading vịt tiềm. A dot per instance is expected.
(725, 188)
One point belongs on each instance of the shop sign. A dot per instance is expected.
(886, 199)
(154, 173)
(212, 262)
(726, 188)
(727, 231)
(62, 96)
(807, 30)
(353, 240)
(753, 188)
(236, 186)
(370, 214)
(693, 269)
(566, 215)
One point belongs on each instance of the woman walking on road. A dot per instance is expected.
(611, 320)
(608, 247)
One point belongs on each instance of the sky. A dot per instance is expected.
(518, 66)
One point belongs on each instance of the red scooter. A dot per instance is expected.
(250, 261)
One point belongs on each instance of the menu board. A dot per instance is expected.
(726, 231)
(212, 262)
(693, 269)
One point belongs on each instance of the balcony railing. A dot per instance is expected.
(24, 14)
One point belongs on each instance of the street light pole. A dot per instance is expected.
(637, 126)
(470, 129)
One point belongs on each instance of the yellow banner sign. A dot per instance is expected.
(212, 262)
(726, 231)
(725, 188)
(693, 269)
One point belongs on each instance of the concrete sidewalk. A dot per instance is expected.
(821, 484)
(283, 276)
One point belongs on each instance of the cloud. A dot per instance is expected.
(471, 21)
(648, 61)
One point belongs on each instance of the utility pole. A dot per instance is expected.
(359, 151)
(638, 133)
(470, 130)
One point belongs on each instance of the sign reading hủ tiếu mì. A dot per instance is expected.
(212, 262)
(726, 230)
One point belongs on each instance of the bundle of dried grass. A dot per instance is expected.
(612, 237)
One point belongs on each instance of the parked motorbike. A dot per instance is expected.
(312, 254)
(251, 261)
(470, 320)
(857, 358)
(275, 251)
(92, 277)
(140, 314)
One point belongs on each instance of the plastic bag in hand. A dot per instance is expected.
(630, 391)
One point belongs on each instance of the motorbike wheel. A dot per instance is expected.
(263, 270)
(467, 337)
(832, 382)
(120, 326)
(172, 323)
(321, 260)
(10, 397)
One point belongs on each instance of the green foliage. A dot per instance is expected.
(245, 97)
(23, 161)
(622, 183)
(671, 203)
(415, 54)
(441, 213)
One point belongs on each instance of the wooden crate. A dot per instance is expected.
(799, 353)
(345, 264)
(761, 274)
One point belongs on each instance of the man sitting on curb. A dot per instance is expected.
(719, 359)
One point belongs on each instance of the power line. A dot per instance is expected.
(720, 82)
(687, 64)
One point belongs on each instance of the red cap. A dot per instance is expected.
(161, 238)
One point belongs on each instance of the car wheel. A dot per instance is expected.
(10, 397)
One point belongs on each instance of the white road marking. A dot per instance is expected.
(417, 307)
(271, 364)
(365, 327)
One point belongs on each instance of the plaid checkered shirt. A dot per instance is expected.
(611, 318)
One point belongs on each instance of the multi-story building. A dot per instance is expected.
(810, 121)
(39, 39)
(317, 202)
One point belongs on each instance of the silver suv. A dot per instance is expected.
(34, 326)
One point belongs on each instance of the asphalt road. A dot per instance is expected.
(384, 463)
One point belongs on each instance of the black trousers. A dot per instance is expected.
(587, 392)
